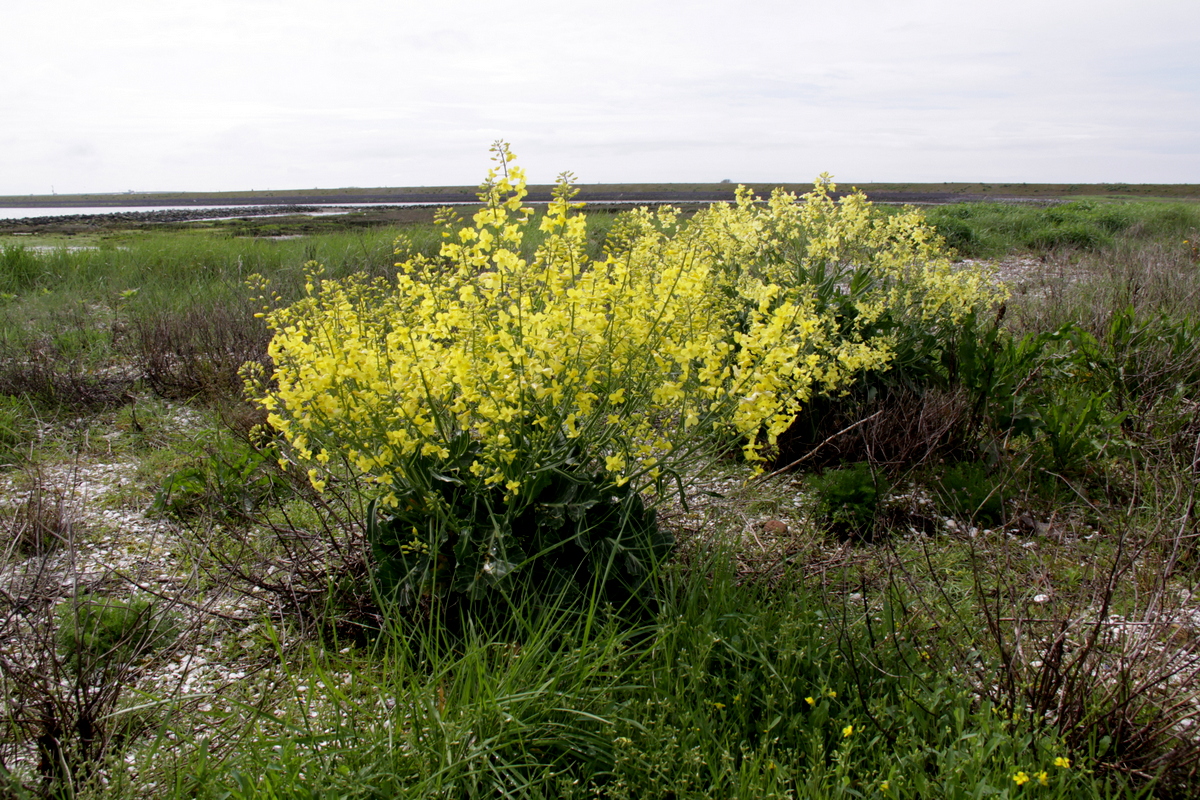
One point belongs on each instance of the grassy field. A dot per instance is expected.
(975, 577)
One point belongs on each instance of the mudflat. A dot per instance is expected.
(400, 205)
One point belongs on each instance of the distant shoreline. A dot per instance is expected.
(600, 193)
(323, 210)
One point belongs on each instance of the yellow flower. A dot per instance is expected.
(810, 701)
(1062, 761)
(847, 731)
(683, 327)
(883, 787)
(831, 693)
(1043, 778)
(1021, 778)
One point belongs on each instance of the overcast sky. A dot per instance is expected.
(284, 94)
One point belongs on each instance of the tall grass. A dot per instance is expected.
(734, 691)
(174, 269)
(1153, 278)
(995, 229)
(172, 302)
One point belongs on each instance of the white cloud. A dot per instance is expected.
(230, 94)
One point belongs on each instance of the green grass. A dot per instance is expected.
(174, 302)
(138, 270)
(735, 691)
(994, 229)
(17, 430)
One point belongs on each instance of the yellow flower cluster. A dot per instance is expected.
(625, 365)
(818, 247)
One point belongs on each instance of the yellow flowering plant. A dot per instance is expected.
(885, 280)
(515, 414)
(903, 313)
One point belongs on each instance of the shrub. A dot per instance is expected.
(958, 234)
(72, 366)
(41, 521)
(232, 479)
(43, 374)
(484, 393)
(848, 500)
(1141, 362)
(969, 491)
(16, 429)
(882, 279)
(64, 668)
(94, 632)
(1080, 235)
(879, 278)
(197, 353)
(1077, 429)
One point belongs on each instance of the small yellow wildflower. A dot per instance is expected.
(718, 706)
(831, 693)
(1021, 778)
(847, 731)
(1062, 761)
(1043, 778)
(810, 701)
(883, 787)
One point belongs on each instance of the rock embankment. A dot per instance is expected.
(165, 215)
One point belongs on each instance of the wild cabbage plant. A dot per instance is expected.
(885, 281)
(515, 414)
